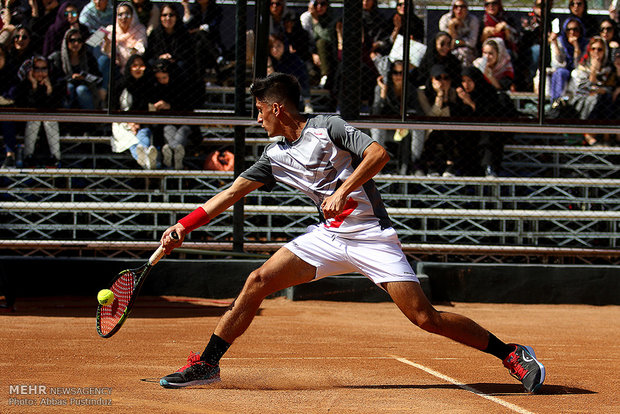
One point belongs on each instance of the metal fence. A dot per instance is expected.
(487, 156)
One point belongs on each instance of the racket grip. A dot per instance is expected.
(159, 253)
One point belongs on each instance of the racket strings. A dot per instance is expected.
(122, 288)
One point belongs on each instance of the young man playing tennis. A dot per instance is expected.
(332, 163)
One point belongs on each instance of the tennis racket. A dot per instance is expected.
(126, 287)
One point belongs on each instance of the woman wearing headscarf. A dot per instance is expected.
(567, 48)
(464, 29)
(495, 64)
(438, 52)
(496, 23)
(66, 18)
(130, 35)
(579, 10)
(479, 151)
(76, 65)
(171, 41)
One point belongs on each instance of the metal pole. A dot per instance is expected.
(403, 98)
(542, 63)
(240, 68)
(351, 60)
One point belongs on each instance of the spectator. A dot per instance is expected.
(567, 48)
(480, 151)
(78, 69)
(613, 12)
(13, 13)
(375, 39)
(130, 36)
(97, 14)
(529, 52)
(277, 10)
(298, 41)
(282, 60)
(615, 140)
(438, 99)
(609, 33)
(495, 64)
(496, 23)
(43, 16)
(37, 90)
(66, 19)
(405, 143)
(579, 9)
(133, 95)
(320, 22)
(439, 52)
(148, 14)
(464, 29)
(590, 86)
(8, 81)
(203, 19)
(171, 41)
(416, 25)
(21, 47)
(167, 95)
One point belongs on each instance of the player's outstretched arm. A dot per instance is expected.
(203, 214)
(373, 160)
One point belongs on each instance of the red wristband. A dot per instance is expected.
(195, 219)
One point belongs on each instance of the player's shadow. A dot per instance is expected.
(144, 307)
(487, 388)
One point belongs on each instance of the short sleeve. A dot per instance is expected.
(261, 171)
(348, 137)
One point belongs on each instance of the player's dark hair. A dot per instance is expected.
(277, 87)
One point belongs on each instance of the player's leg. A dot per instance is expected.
(282, 270)
(520, 360)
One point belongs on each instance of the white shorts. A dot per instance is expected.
(380, 257)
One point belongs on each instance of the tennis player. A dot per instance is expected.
(333, 163)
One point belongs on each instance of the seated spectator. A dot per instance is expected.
(202, 19)
(133, 95)
(96, 14)
(14, 13)
(590, 86)
(130, 36)
(277, 10)
(609, 33)
(497, 23)
(320, 22)
(579, 9)
(8, 82)
(406, 144)
(171, 41)
(495, 64)
(529, 52)
(464, 29)
(43, 16)
(79, 71)
(299, 42)
(567, 48)
(480, 152)
(282, 60)
(416, 25)
(438, 99)
(167, 95)
(614, 140)
(438, 52)
(37, 90)
(148, 14)
(67, 18)
(21, 47)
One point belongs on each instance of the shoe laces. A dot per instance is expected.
(192, 359)
(516, 369)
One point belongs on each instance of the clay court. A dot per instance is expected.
(304, 357)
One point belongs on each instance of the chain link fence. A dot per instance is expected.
(488, 158)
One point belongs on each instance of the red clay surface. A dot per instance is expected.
(305, 357)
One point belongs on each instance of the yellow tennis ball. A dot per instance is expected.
(105, 297)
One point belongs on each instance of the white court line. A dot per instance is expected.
(446, 378)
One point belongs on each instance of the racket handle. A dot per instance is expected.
(159, 253)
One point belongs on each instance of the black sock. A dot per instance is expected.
(498, 348)
(215, 349)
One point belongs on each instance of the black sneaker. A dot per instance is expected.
(196, 372)
(524, 366)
